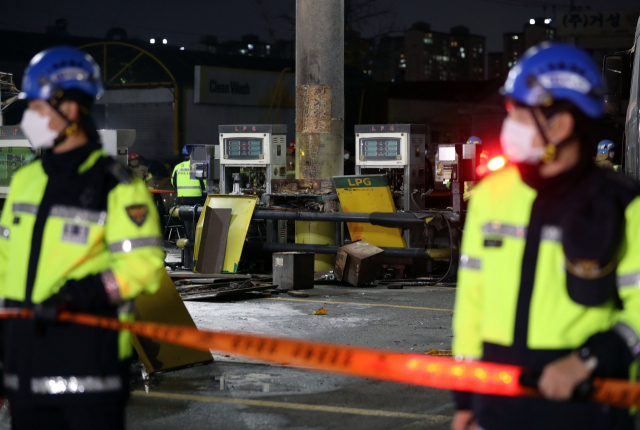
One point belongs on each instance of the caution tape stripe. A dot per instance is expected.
(431, 371)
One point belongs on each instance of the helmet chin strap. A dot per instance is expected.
(70, 129)
(550, 147)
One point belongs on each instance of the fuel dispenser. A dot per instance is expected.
(456, 165)
(15, 152)
(398, 151)
(204, 161)
(251, 156)
(117, 143)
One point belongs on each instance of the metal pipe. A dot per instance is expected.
(333, 249)
(338, 236)
(391, 219)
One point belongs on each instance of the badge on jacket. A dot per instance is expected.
(75, 233)
(138, 214)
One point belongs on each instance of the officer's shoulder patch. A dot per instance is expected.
(120, 173)
(138, 213)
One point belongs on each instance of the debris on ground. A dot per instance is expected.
(321, 311)
(395, 287)
(324, 276)
(210, 287)
(295, 293)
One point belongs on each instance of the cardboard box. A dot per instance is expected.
(293, 270)
(359, 263)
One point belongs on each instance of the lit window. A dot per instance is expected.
(515, 37)
(462, 54)
(461, 49)
(152, 41)
(250, 46)
(182, 48)
(243, 51)
(547, 21)
(532, 21)
(164, 41)
(428, 41)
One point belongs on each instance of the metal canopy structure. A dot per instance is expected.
(125, 65)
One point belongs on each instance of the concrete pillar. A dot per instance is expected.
(319, 105)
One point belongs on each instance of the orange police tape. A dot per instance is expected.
(430, 371)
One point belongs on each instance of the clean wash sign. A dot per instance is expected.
(216, 85)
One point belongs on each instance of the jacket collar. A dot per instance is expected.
(67, 163)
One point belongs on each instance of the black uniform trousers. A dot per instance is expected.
(85, 417)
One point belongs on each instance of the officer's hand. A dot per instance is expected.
(47, 311)
(463, 420)
(560, 378)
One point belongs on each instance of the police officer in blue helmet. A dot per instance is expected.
(606, 154)
(78, 233)
(550, 256)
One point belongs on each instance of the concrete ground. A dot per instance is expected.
(240, 394)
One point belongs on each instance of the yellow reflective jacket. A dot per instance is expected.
(513, 304)
(80, 217)
(185, 186)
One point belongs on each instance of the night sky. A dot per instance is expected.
(182, 23)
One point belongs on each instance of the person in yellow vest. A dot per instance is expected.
(78, 232)
(189, 191)
(550, 259)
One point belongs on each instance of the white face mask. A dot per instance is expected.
(346, 156)
(516, 140)
(36, 128)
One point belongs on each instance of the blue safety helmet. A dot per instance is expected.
(55, 70)
(555, 71)
(185, 151)
(474, 140)
(605, 146)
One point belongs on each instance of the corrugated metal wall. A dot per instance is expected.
(153, 123)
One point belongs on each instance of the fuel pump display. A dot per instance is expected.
(252, 156)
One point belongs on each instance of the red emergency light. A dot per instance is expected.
(496, 163)
(492, 165)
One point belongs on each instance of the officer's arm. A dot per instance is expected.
(5, 236)
(617, 347)
(466, 317)
(467, 340)
(133, 237)
(174, 177)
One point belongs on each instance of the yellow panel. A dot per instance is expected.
(318, 233)
(367, 194)
(241, 213)
(165, 307)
